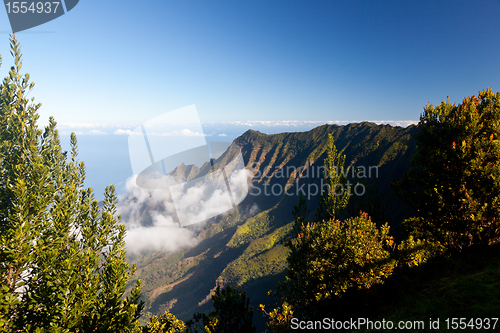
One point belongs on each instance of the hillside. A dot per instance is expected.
(242, 247)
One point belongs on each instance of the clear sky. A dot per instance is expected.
(107, 66)
(123, 62)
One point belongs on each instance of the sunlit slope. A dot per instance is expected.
(243, 246)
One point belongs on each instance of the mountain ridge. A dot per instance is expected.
(242, 247)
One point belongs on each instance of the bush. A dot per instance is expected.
(279, 318)
(331, 257)
(454, 181)
(414, 252)
(166, 323)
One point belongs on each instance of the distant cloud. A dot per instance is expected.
(402, 123)
(187, 132)
(92, 132)
(251, 123)
(95, 132)
(164, 233)
(184, 132)
(122, 132)
(92, 125)
(153, 217)
(125, 129)
(300, 123)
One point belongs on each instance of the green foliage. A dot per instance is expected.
(454, 182)
(251, 256)
(263, 257)
(253, 228)
(63, 259)
(329, 258)
(232, 313)
(279, 318)
(166, 323)
(414, 252)
(334, 201)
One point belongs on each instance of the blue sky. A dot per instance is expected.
(109, 65)
(128, 61)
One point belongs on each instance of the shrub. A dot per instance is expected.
(331, 257)
(454, 181)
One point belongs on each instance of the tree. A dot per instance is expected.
(335, 199)
(232, 313)
(454, 181)
(331, 257)
(62, 258)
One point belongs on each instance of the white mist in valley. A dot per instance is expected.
(151, 221)
(152, 215)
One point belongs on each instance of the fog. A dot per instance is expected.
(151, 220)
(156, 218)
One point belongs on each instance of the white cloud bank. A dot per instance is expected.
(152, 216)
(300, 123)
(93, 125)
(123, 132)
(181, 133)
(149, 215)
(91, 132)
(271, 123)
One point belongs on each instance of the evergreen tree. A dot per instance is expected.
(62, 258)
(330, 256)
(334, 200)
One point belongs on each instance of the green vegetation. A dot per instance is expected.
(454, 182)
(232, 313)
(263, 256)
(334, 200)
(246, 251)
(447, 266)
(63, 263)
(166, 323)
(465, 285)
(329, 257)
(253, 228)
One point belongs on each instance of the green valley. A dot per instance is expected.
(244, 249)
